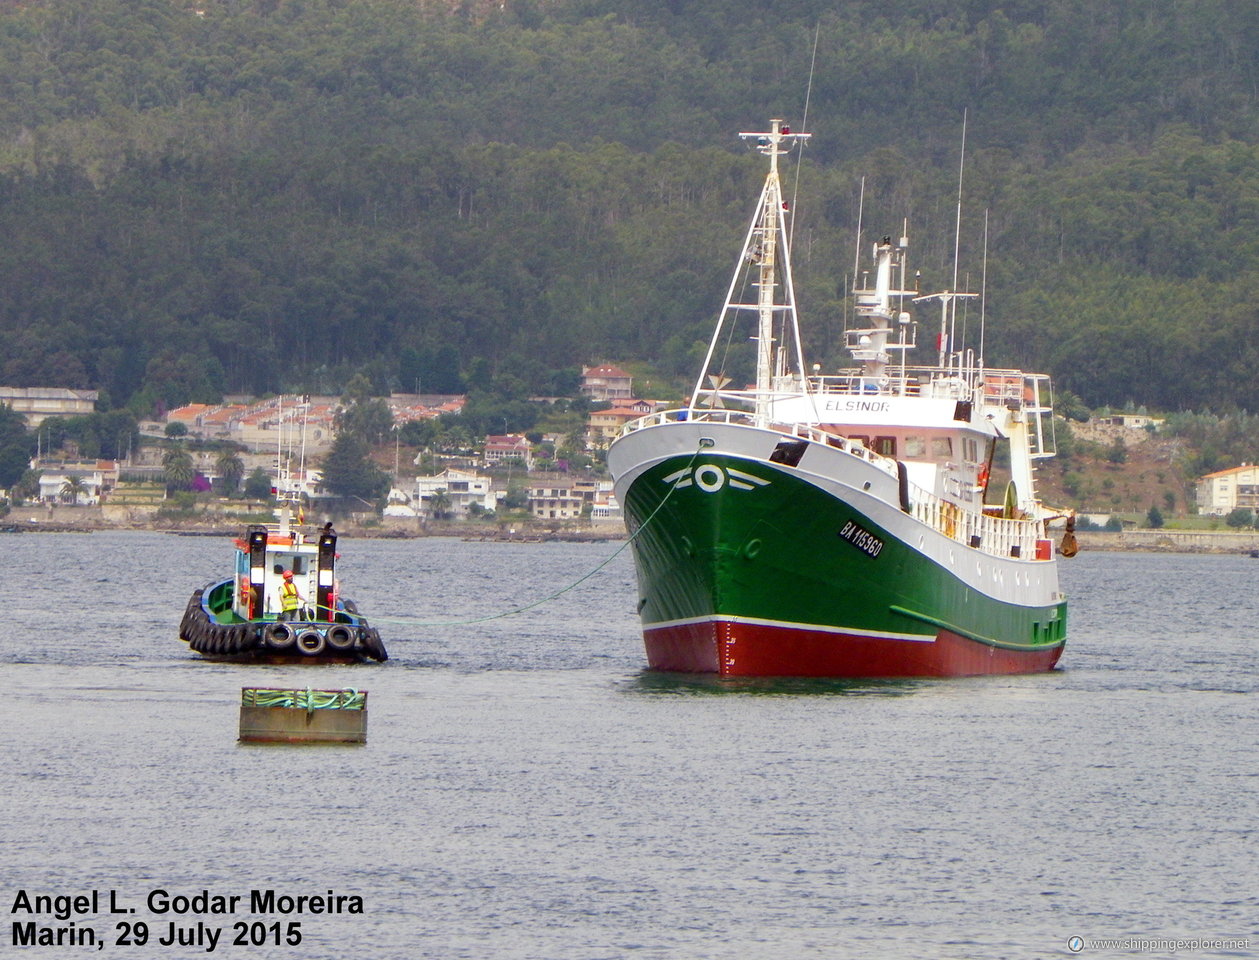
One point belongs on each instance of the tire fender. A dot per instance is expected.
(279, 636)
(311, 643)
(340, 637)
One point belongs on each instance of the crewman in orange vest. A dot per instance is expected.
(290, 598)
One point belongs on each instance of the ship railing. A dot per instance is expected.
(904, 382)
(1004, 387)
(281, 533)
(1016, 388)
(999, 536)
(851, 384)
(682, 415)
(802, 431)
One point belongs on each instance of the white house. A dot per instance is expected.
(462, 488)
(97, 477)
(606, 382)
(1224, 491)
(605, 506)
(555, 499)
(506, 447)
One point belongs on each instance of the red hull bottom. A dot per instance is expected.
(739, 649)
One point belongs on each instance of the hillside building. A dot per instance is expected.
(604, 426)
(606, 382)
(97, 479)
(1224, 491)
(499, 448)
(37, 404)
(556, 499)
(462, 489)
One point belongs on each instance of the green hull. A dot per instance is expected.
(735, 549)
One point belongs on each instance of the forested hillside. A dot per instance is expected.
(248, 195)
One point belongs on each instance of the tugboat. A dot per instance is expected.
(848, 524)
(242, 618)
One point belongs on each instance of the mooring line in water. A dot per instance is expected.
(407, 621)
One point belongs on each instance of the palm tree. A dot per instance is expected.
(177, 469)
(439, 504)
(230, 469)
(71, 487)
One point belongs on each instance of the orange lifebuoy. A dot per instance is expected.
(983, 475)
(244, 593)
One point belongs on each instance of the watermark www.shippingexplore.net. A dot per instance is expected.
(1157, 944)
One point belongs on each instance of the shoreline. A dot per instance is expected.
(36, 520)
(25, 520)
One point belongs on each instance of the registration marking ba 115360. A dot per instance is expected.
(861, 538)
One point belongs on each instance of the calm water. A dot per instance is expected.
(528, 791)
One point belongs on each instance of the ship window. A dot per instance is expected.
(298, 566)
(970, 450)
(942, 446)
(915, 448)
(885, 446)
(864, 441)
(788, 452)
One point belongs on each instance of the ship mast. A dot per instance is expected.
(766, 257)
(765, 247)
(878, 307)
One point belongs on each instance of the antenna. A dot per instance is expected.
(961, 341)
(861, 205)
(900, 313)
(279, 442)
(983, 294)
(804, 125)
(302, 459)
(957, 234)
(856, 253)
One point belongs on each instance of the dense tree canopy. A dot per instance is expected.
(15, 446)
(348, 470)
(254, 195)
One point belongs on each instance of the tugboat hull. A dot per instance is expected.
(212, 630)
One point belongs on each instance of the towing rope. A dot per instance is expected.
(408, 621)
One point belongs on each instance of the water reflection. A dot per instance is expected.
(656, 682)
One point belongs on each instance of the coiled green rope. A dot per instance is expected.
(307, 699)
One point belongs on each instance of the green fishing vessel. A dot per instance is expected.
(877, 521)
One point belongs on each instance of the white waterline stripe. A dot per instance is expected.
(786, 625)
